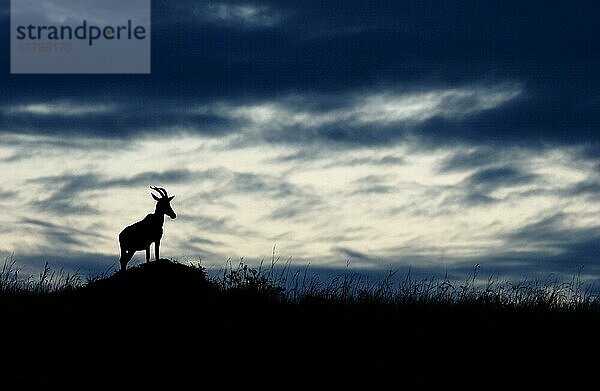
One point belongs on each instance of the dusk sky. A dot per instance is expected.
(431, 135)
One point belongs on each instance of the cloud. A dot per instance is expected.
(491, 178)
(252, 183)
(372, 184)
(371, 108)
(27, 144)
(211, 224)
(470, 198)
(482, 187)
(77, 183)
(352, 254)
(239, 202)
(204, 241)
(545, 231)
(299, 209)
(291, 203)
(470, 159)
(60, 236)
(358, 117)
(588, 188)
(169, 176)
(371, 117)
(99, 119)
(553, 242)
(73, 11)
(383, 161)
(65, 109)
(62, 205)
(225, 14)
(7, 194)
(67, 189)
(383, 58)
(245, 15)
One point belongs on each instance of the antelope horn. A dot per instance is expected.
(160, 190)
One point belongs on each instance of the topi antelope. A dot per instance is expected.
(141, 235)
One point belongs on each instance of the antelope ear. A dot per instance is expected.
(155, 197)
(171, 198)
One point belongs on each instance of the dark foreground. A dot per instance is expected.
(164, 326)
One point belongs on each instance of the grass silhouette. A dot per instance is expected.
(165, 325)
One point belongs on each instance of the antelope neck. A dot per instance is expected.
(159, 216)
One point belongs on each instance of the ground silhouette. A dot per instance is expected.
(164, 325)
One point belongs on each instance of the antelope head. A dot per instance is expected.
(163, 204)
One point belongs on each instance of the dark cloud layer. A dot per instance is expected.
(491, 178)
(551, 243)
(588, 188)
(469, 160)
(330, 48)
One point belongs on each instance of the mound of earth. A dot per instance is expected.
(158, 277)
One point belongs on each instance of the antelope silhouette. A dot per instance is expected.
(141, 235)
